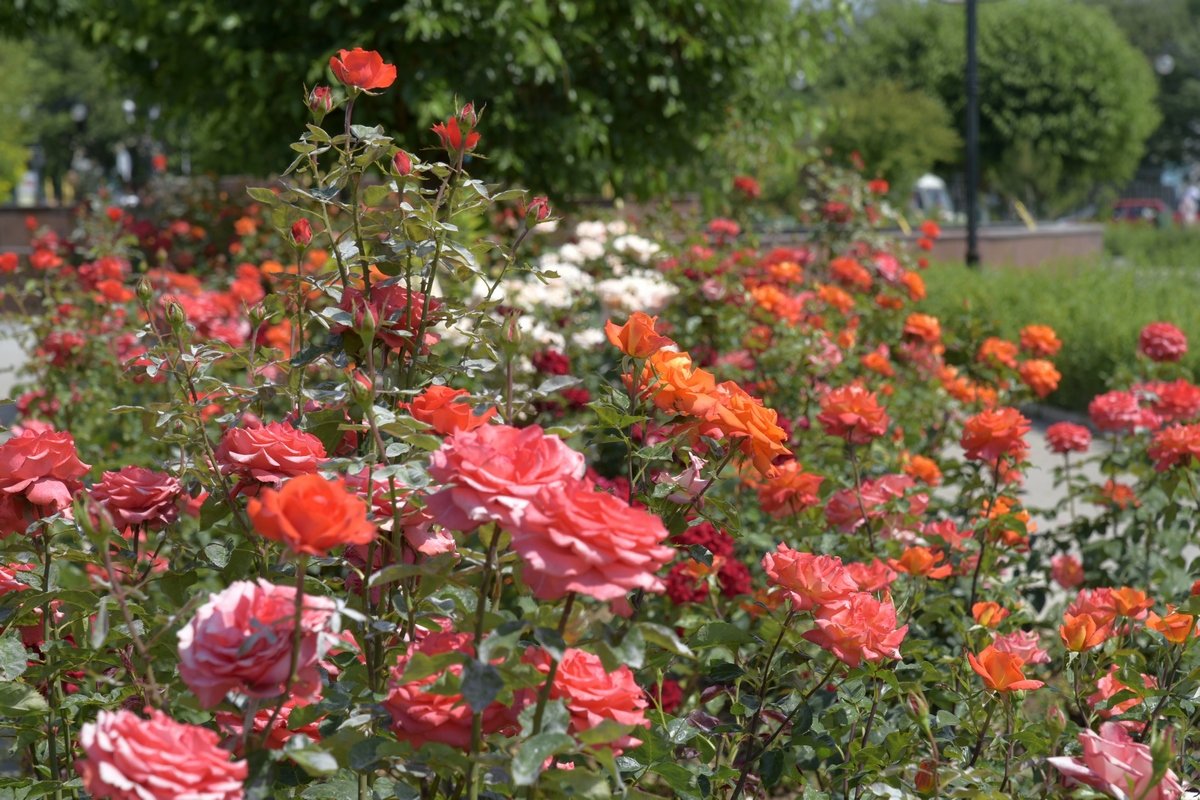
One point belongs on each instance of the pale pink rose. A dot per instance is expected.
(126, 757)
(492, 473)
(688, 483)
(593, 694)
(241, 640)
(138, 496)
(41, 471)
(268, 454)
(1024, 645)
(1113, 763)
(573, 538)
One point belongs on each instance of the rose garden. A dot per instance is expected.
(381, 481)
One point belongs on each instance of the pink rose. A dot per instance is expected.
(493, 472)
(573, 538)
(137, 496)
(810, 580)
(1113, 763)
(594, 695)
(1067, 437)
(1162, 341)
(130, 758)
(1025, 645)
(269, 454)
(241, 640)
(421, 714)
(41, 471)
(858, 628)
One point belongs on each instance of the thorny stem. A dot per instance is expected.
(52, 680)
(481, 605)
(297, 641)
(987, 721)
(862, 508)
(118, 591)
(544, 694)
(1170, 676)
(983, 534)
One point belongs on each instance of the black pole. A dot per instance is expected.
(972, 135)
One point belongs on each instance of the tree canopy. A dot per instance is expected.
(582, 96)
(1066, 103)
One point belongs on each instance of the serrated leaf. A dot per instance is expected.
(533, 752)
(480, 684)
(14, 658)
(17, 699)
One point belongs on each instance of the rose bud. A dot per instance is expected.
(302, 232)
(402, 163)
(320, 101)
(538, 209)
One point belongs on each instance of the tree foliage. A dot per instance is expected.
(899, 133)
(1066, 103)
(583, 96)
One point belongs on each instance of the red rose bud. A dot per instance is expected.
(468, 115)
(402, 163)
(452, 137)
(320, 100)
(302, 232)
(538, 208)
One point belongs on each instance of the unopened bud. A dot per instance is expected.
(538, 209)
(402, 163)
(468, 115)
(145, 291)
(302, 232)
(320, 101)
(176, 315)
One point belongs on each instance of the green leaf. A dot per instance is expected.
(14, 658)
(480, 685)
(527, 763)
(664, 637)
(315, 762)
(17, 699)
(720, 634)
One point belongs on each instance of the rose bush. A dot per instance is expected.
(390, 484)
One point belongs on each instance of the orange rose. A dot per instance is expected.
(852, 413)
(1080, 632)
(923, 328)
(989, 614)
(849, 272)
(1039, 375)
(1175, 627)
(997, 352)
(738, 415)
(1001, 672)
(676, 385)
(994, 434)
(311, 515)
(835, 297)
(922, 468)
(637, 337)
(789, 492)
(1131, 602)
(921, 562)
(1040, 340)
(436, 406)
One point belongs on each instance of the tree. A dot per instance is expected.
(899, 133)
(582, 96)
(1066, 103)
(1168, 34)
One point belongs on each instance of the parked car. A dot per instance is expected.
(1142, 209)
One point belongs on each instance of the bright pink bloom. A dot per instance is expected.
(1113, 763)
(1162, 341)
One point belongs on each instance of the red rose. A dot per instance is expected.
(311, 515)
(1067, 437)
(241, 640)
(41, 472)
(268, 455)
(493, 472)
(396, 312)
(302, 232)
(138, 496)
(573, 538)
(1162, 341)
(126, 757)
(362, 69)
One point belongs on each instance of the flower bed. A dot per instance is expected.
(395, 496)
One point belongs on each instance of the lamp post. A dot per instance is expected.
(972, 135)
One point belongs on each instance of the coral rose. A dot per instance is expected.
(923, 328)
(997, 352)
(1120, 412)
(1066, 570)
(858, 628)
(138, 496)
(675, 385)
(126, 757)
(1067, 437)
(573, 538)
(810, 580)
(268, 455)
(1113, 763)
(421, 712)
(311, 515)
(994, 434)
(1001, 672)
(437, 407)
(1175, 627)
(1108, 686)
(1162, 341)
(637, 337)
(853, 413)
(1172, 401)
(1176, 446)
(241, 640)
(791, 491)
(362, 69)
(41, 471)
(492, 473)
(873, 577)
(1040, 340)
(1025, 645)
(594, 695)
